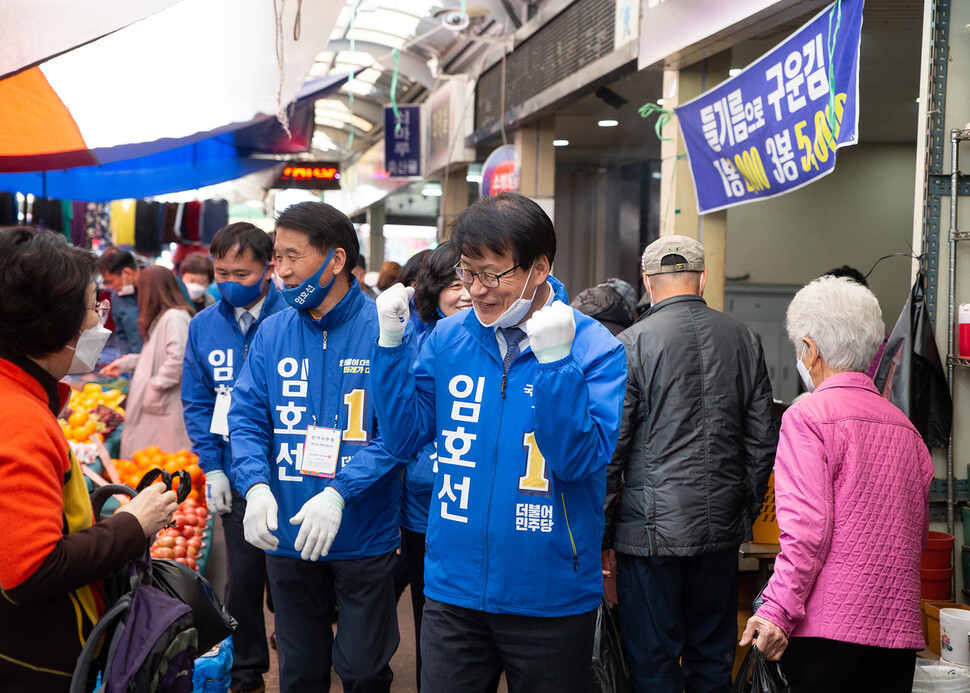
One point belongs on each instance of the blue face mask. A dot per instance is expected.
(240, 295)
(310, 294)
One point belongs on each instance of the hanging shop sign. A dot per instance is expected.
(310, 175)
(450, 119)
(402, 141)
(626, 22)
(500, 172)
(778, 125)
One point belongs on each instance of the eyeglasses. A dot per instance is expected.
(103, 309)
(489, 280)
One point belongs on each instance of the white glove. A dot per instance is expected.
(260, 519)
(393, 308)
(551, 331)
(218, 493)
(319, 520)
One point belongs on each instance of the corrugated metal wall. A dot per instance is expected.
(579, 35)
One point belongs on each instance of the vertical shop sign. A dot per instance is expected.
(627, 22)
(778, 125)
(450, 111)
(402, 141)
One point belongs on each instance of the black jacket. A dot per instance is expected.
(697, 441)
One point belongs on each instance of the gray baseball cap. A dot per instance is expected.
(688, 248)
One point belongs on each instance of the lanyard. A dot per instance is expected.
(340, 383)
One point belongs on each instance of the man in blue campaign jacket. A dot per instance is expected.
(526, 421)
(219, 341)
(305, 443)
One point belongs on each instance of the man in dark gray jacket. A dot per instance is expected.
(696, 447)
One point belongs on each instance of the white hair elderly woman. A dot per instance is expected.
(852, 477)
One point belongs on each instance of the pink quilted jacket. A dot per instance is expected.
(852, 481)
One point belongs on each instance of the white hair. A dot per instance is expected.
(842, 317)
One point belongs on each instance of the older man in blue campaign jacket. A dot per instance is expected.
(523, 396)
(304, 435)
(219, 341)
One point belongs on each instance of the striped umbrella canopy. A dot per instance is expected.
(185, 72)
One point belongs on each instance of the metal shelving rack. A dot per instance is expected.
(953, 361)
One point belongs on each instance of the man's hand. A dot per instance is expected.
(608, 559)
(767, 637)
(259, 522)
(393, 308)
(551, 332)
(319, 520)
(218, 494)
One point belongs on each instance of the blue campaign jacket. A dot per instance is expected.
(300, 369)
(418, 489)
(214, 356)
(419, 474)
(516, 522)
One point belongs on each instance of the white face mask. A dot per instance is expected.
(88, 349)
(805, 375)
(196, 291)
(127, 290)
(516, 312)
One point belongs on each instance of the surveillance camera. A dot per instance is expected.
(455, 20)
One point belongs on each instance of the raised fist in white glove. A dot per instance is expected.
(319, 520)
(218, 493)
(259, 522)
(551, 331)
(393, 309)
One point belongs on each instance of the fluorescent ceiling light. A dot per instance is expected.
(431, 190)
(609, 123)
(661, 102)
(735, 71)
(560, 143)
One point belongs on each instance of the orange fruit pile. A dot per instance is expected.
(80, 425)
(142, 461)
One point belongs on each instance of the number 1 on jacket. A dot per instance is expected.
(354, 432)
(535, 480)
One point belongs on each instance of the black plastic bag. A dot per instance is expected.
(758, 675)
(609, 673)
(911, 375)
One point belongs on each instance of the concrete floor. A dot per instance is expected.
(402, 664)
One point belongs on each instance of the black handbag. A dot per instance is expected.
(175, 579)
(212, 620)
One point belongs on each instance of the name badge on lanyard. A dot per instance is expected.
(320, 451)
(220, 414)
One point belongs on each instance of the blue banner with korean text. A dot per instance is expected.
(402, 141)
(777, 125)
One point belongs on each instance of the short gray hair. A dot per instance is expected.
(842, 317)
